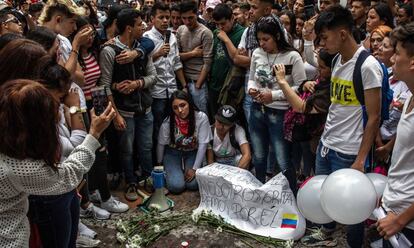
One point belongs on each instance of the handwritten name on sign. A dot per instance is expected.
(243, 201)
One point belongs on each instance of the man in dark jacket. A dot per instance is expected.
(128, 89)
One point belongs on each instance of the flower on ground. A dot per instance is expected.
(289, 243)
(196, 215)
(121, 237)
(157, 228)
(132, 245)
(136, 239)
(219, 229)
(120, 226)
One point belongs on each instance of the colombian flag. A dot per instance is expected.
(289, 221)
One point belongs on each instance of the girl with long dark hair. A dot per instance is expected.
(183, 136)
(313, 101)
(270, 105)
(97, 178)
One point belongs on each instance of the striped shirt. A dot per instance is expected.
(92, 73)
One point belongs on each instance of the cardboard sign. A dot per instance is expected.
(243, 201)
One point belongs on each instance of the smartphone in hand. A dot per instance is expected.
(99, 100)
(288, 70)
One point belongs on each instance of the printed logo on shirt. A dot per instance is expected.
(264, 76)
(343, 92)
(184, 143)
(220, 54)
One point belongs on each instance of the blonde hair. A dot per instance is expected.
(382, 30)
(66, 7)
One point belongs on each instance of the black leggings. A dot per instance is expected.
(97, 175)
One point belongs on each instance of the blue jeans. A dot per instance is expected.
(57, 217)
(328, 161)
(173, 163)
(266, 130)
(247, 105)
(271, 159)
(199, 95)
(139, 130)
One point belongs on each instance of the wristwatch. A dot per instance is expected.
(74, 110)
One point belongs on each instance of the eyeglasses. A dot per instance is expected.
(12, 20)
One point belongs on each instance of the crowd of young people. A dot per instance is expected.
(269, 86)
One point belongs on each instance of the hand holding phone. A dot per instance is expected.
(99, 100)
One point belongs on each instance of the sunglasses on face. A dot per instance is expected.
(12, 20)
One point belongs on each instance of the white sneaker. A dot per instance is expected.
(84, 241)
(114, 206)
(86, 231)
(95, 212)
(95, 197)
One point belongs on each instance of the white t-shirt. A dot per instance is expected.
(261, 76)
(223, 148)
(399, 191)
(65, 48)
(202, 133)
(344, 125)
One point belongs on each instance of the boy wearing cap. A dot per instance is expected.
(206, 18)
(229, 145)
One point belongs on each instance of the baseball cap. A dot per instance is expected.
(211, 4)
(226, 114)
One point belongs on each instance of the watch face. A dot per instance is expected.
(73, 110)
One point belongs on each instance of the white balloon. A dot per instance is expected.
(348, 196)
(309, 202)
(379, 182)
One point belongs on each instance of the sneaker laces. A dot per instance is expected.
(111, 200)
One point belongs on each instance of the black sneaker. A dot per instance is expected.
(115, 181)
(131, 192)
(319, 238)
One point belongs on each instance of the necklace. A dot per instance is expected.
(273, 62)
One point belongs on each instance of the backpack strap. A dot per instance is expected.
(357, 77)
(359, 93)
(334, 60)
(212, 132)
(232, 136)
